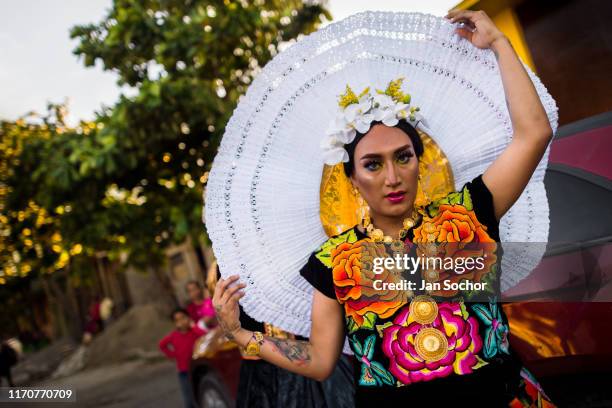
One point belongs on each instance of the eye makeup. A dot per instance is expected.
(402, 155)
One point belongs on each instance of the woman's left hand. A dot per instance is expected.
(484, 33)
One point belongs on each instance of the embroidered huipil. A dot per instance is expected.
(479, 365)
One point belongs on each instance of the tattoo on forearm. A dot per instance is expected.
(295, 350)
(226, 330)
(227, 333)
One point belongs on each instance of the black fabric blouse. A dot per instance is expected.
(479, 367)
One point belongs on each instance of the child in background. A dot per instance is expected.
(178, 345)
(200, 308)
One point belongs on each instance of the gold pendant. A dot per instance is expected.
(431, 344)
(431, 275)
(423, 309)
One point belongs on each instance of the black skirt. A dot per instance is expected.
(264, 385)
(491, 387)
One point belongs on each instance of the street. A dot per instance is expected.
(131, 384)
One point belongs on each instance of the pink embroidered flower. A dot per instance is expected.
(464, 343)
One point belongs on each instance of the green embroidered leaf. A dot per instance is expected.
(324, 253)
(458, 197)
(368, 346)
(489, 279)
(489, 289)
(352, 326)
(369, 319)
(382, 327)
(381, 373)
(432, 209)
(480, 363)
(454, 198)
(436, 204)
(464, 312)
(490, 343)
(356, 347)
(467, 200)
(483, 313)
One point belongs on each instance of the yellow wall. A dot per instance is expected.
(503, 15)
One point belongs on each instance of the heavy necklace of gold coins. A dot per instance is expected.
(429, 342)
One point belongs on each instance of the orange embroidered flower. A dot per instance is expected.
(457, 233)
(453, 223)
(354, 282)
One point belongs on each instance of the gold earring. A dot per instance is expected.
(366, 216)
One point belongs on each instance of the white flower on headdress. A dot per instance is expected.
(393, 115)
(358, 115)
(333, 150)
(341, 130)
(382, 105)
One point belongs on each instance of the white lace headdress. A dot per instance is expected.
(262, 197)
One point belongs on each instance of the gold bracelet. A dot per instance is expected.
(253, 346)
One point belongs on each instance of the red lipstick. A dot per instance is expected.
(396, 196)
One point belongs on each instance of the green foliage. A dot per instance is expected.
(133, 179)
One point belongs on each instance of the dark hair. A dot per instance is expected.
(193, 282)
(179, 310)
(403, 125)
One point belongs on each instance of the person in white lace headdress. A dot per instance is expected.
(411, 347)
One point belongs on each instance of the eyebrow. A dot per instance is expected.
(377, 155)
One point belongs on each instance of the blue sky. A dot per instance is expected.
(37, 64)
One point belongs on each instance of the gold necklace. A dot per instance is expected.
(377, 235)
(430, 343)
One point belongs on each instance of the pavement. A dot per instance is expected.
(131, 384)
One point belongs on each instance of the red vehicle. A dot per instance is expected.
(560, 315)
(215, 370)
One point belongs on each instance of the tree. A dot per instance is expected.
(133, 179)
(189, 61)
(31, 229)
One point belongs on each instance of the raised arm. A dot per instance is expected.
(165, 345)
(509, 174)
(315, 358)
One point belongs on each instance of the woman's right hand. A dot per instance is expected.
(225, 302)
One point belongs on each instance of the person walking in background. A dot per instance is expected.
(8, 358)
(94, 323)
(200, 307)
(178, 345)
